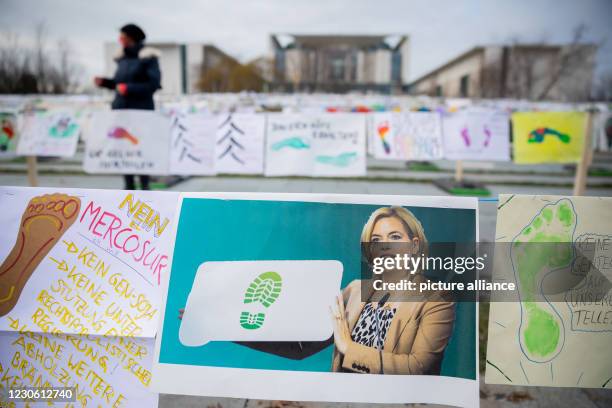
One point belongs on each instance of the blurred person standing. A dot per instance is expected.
(135, 81)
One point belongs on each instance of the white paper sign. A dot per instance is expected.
(239, 144)
(128, 141)
(83, 261)
(49, 133)
(318, 145)
(192, 144)
(477, 134)
(406, 135)
(9, 134)
(104, 371)
(271, 294)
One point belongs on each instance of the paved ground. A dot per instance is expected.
(491, 396)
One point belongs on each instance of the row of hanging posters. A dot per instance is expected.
(103, 290)
(145, 142)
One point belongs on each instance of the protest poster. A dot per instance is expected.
(406, 135)
(317, 145)
(80, 275)
(128, 141)
(8, 133)
(239, 143)
(558, 333)
(548, 137)
(477, 134)
(192, 144)
(266, 290)
(54, 132)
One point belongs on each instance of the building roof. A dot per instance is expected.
(306, 40)
(467, 54)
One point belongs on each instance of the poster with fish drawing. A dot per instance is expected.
(128, 142)
(239, 144)
(477, 134)
(8, 134)
(53, 132)
(316, 145)
(406, 135)
(548, 137)
(192, 144)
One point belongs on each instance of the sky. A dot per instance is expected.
(438, 29)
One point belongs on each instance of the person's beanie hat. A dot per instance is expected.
(134, 32)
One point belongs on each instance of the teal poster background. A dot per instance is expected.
(241, 230)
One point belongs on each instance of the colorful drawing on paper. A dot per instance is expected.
(120, 133)
(341, 160)
(548, 137)
(43, 223)
(63, 127)
(538, 135)
(556, 333)
(383, 130)
(8, 132)
(292, 143)
(477, 134)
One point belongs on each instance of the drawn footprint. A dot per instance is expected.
(264, 289)
(292, 142)
(537, 252)
(342, 160)
(43, 222)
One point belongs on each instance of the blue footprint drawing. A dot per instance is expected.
(264, 289)
(292, 142)
(341, 160)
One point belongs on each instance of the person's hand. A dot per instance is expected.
(342, 336)
(98, 81)
(122, 88)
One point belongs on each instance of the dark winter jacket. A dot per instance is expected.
(138, 68)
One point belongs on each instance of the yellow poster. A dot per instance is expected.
(548, 137)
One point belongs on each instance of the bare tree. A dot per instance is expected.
(36, 69)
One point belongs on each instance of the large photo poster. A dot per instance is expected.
(559, 255)
(317, 145)
(266, 268)
(128, 142)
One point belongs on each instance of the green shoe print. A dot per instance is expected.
(251, 321)
(264, 289)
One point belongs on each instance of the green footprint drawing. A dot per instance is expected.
(264, 289)
(292, 142)
(341, 160)
(251, 321)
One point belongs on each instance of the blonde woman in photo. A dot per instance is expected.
(406, 337)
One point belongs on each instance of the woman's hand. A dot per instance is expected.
(342, 336)
(122, 88)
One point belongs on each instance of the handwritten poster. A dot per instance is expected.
(265, 299)
(192, 144)
(8, 133)
(128, 141)
(477, 134)
(49, 133)
(104, 371)
(318, 145)
(239, 144)
(80, 278)
(548, 137)
(559, 332)
(406, 135)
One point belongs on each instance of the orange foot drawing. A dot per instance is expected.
(44, 221)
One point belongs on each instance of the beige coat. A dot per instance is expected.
(415, 341)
